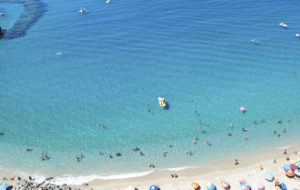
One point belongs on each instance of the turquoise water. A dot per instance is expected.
(119, 57)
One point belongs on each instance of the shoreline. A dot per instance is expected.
(222, 168)
(162, 177)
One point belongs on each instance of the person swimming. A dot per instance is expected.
(1, 32)
(164, 154)
(244, 130)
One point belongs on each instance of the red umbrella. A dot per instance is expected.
(294, 166)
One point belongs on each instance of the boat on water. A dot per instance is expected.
(82, 10)
(243, 109)
(283, 25)
(297, 35)
(2, 14)
(162, 102)
(107, 1)
(254, 41)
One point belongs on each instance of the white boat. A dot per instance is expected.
(82, 10)
(2, 13)
(283, 25)
(255, 41)
(297, 35)
(162, 101)
(107, 1)
(243, 109)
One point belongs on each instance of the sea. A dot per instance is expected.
(86, 85)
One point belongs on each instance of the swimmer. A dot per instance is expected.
(244, 130)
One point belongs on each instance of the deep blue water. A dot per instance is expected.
(119, 57)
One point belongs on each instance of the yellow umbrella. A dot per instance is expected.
(196, 186)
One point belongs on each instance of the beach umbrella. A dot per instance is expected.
(196, 186)
(298, 164)
(290, 173)
(153, 187)
(283, 186)
(260, 186)
(225, 185)
(286, 167)
(269, 176)
(3, 186)
(246, 187)
(211, 186)
(294, 166)
(243, 182)
(297, 172)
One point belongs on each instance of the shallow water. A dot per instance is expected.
(119, 57)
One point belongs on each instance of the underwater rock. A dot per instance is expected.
(33, 11)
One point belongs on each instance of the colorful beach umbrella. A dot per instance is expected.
(195, 186)
(298, 164)
(3, 186)
(294, 166)
(243, 182)
(211, 186)
(290, 173)
(283, 186)
(153, 187)
(297, 173)
(286, 167)
(269, 176)
(246, 187)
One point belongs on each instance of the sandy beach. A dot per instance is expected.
(250, 168)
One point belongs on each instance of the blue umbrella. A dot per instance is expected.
(269, 176)
(3, 186)
(283, 186)
(297, 172)
(211, 186)
(286, 167)
(153, 187)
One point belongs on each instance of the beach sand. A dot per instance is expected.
(248, 169)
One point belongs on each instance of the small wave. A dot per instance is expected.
(283, 147)
(78, 180)
(177, 169)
